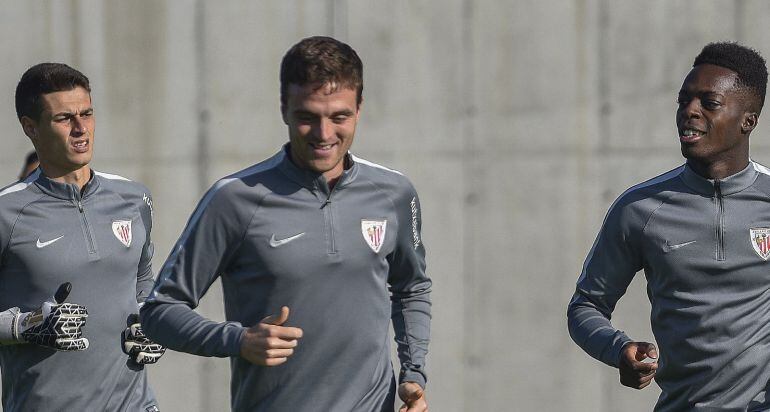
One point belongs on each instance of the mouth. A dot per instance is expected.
(690, 135)
(322, 148)
(80, 146)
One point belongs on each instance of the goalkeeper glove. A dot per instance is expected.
(56, 325)
(139, 348)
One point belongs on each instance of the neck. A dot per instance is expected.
(78, 177)
(718, 169)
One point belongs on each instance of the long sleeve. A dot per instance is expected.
(410, 289)
(199, 256)
(609, 268)
(144, 273)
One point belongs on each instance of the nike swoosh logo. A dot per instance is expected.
(278, 242)
(41, 245)
(678, 245)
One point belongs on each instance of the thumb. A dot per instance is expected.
(62, 293)
(652, 351)
(278, 320)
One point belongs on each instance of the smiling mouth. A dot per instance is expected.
(322, 147)
(80, 146)
(690, 135)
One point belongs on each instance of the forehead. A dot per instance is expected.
(710, 78)
(328, 93)
(66, 100)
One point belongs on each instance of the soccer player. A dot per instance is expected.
(30, 164)
(317, 250)
(698, 232)
(89, 232)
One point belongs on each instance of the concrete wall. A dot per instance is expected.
(519, 121)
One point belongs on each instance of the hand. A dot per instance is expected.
(55, 325)
(269, 343)
(139, 348)
(413, 396)
(633, 372)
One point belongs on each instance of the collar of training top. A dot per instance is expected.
(729, 185)
(315, 181)
(67, 191)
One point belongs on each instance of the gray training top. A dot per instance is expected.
(100, 243)
(277, 236)
(703, 245)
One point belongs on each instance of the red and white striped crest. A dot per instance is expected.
(122, 231)
(760, 240)
(374, 233)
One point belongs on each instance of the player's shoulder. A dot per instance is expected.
(254, 180)
(762, 182)
(383, 176)
(640, 201)
(20, 192)
(130, 190)
(122, 184)
(652, 188)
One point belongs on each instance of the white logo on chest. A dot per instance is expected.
(41, 245)
(122, 230)
(374, 233)
(278, 242)
(760, 241)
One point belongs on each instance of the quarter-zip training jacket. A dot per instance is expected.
(99, 241)
(345, 261)
(703, 245)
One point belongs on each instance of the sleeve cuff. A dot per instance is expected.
(233, 338)
(412, 376)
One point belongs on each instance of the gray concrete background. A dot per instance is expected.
(519, 122)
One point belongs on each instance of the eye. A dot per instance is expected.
(711, 104)
(305, 118)
(339, 119)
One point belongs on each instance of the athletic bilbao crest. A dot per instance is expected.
(760, 240)
(374, 233)
(122, 231)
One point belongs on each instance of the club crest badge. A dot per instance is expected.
(374, 233)
(760, 240)
(122, 231)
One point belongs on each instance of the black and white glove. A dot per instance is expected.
(139, 348)
(56, 325)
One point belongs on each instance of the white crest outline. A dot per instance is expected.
(760, 238)
(373, 231)
(122, 230)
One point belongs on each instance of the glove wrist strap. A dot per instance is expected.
(9, 327)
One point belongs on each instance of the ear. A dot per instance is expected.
(284, 114)
(750, 120)
(30, 128)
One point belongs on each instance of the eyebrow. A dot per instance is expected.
(68, 113)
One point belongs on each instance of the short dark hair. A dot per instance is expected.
(745, 61)
(45, 78)
(322, 60)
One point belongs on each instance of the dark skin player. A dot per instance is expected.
(714, 118)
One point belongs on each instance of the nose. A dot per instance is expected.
(78, 126)
(324, 130)
(690, 108)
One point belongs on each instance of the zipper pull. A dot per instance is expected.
(80, 206)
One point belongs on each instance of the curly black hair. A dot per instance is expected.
(746, 62)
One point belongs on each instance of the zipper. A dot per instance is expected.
(720, 221)
(86, 227)
(329, 221)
